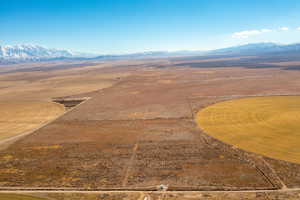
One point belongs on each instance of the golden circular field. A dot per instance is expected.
(22, 116)
(265, 125)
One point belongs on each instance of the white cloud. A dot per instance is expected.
(284, 28)
(298, 28)
(248, 33)
(265, 30)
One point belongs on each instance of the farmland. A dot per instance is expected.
(140, 131)
(23, 116)
(264, 125)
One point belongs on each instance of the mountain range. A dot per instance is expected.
(25, 53)
(257, 49)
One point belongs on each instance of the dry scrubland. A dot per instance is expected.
(140, 131)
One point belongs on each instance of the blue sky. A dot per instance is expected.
(125, 26)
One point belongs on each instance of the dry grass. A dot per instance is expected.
(46, 88)
(23, 116)
(44, 85)
(266, 125)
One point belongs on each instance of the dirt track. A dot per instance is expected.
(292, 194)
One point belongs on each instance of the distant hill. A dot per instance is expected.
(257, 49)
(151, 54)
(24, 53)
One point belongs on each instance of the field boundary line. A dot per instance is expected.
(274, 173)
(264, 175)
(190, 107)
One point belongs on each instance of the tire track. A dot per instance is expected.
(130, 165)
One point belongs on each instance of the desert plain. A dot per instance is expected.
(151, 129)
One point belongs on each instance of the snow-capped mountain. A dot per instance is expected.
(31, 52)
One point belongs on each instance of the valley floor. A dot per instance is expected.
(140, 133)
